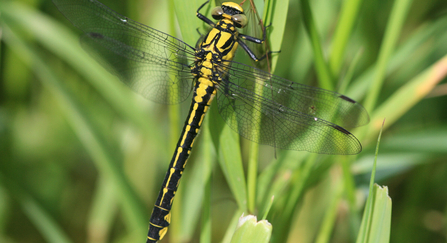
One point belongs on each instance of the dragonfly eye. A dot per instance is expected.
(217, 13)
(240, 20)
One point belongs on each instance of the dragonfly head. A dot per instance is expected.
(231, 11)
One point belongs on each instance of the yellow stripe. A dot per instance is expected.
(233, 5)
(179, 151)
(162, 232)
(191, 117)
(168, 218)
(165, 189)
(158, 226)
(201, 120)
(164, 209)
(187, 128)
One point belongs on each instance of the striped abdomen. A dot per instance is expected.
(204, 92)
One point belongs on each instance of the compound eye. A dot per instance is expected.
(240, 20)
(217, 13)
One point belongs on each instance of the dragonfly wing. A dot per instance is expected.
(316, 102)
(277, 112)
(155, 78)
(153, 63)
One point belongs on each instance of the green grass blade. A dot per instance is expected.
(48, 227)
(424, 141)
(226, 142)
(196, 185)
(350, 73)
(347, 20)
(325, 77)
(65, 44)
(414, 44)
(187, 20)
(269, 206)
(392, 33)
(88, 134)
(330, 216)
(390, 164)
(230, 229)
(252, 175)
(104, 209)
(275, 179)
(376, 222)
(230, 161)
(275, 15)
(409, 95)
(205, 230)
(296, 194)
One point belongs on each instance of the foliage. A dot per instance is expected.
(82, 157)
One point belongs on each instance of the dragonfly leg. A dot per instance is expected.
(203, 17)
(252, 54)
(256, 41)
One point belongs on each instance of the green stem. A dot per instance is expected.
(252, 176)
(348, 18)
(205, 231)
(323, 72)
(392, 33)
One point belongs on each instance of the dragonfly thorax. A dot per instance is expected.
(218, 46)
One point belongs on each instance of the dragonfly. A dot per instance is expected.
(167, 70)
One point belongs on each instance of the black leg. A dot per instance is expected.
(204, 18)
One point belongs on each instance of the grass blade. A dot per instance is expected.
(376, 222)
(409, 95)
(325, 77)
(88, 133)
(347, 20)
(393, 30)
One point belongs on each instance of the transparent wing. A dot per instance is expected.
(289, 115)
(157, 65)
(154, 64)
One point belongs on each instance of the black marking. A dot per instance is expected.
(230, 11)
(95, 35)
(228, 43)
(347, 99)
(341, 129)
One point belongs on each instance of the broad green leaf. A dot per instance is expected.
(377, 221)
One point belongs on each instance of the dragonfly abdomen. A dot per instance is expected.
(218, 45)
(161, 217)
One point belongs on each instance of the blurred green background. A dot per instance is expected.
(82, 157)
